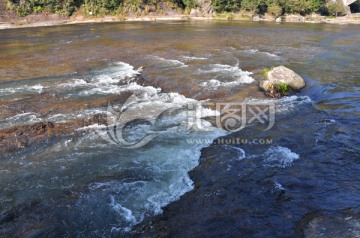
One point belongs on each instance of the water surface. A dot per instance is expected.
(78, 184)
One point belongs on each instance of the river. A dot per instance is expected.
(78, 179)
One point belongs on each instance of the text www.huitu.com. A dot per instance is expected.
(232, 141)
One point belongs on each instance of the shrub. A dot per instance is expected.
(226, 5)
(190, 3)
(250, 5)
(302, 6)
(336, 8)
(265, 72)
(274, 10)
(64, 7)
(284, 88)
(100, 7)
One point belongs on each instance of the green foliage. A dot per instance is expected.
(131, 5)
(9, 5)
(102, 7)
(185, 4)
(63, 7)
(37, 9)
(284, 88)
(250, 5)
(302, 6)
(111, 4)
(226, 5)
(266, 71)
(179, 3)
(190, 3)
(225, 15)
(316, 5)
(274, 10)
(336, 8)
(277, 7)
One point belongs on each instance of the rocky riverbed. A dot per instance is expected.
(65, 171)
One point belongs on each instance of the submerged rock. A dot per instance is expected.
(344, 224)
(18, 137)
(281, 81)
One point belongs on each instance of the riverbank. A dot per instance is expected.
(54, 20)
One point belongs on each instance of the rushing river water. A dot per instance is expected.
(76, 184)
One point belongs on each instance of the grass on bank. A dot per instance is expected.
(266, 71)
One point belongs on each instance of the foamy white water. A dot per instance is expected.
(285, 104)
(256, 51)
(170, 63)
(164, 165)
(159, 170)
(193, 58)
(20, 119)
(278, 156)
(233, 75)
(28, 89)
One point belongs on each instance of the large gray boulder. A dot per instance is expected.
(281, 81)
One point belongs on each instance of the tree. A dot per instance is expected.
(190, 3)
(302, 6)
(226, 5)
(111, 5)
(274, 10)
(250, 5)
(336, 8)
